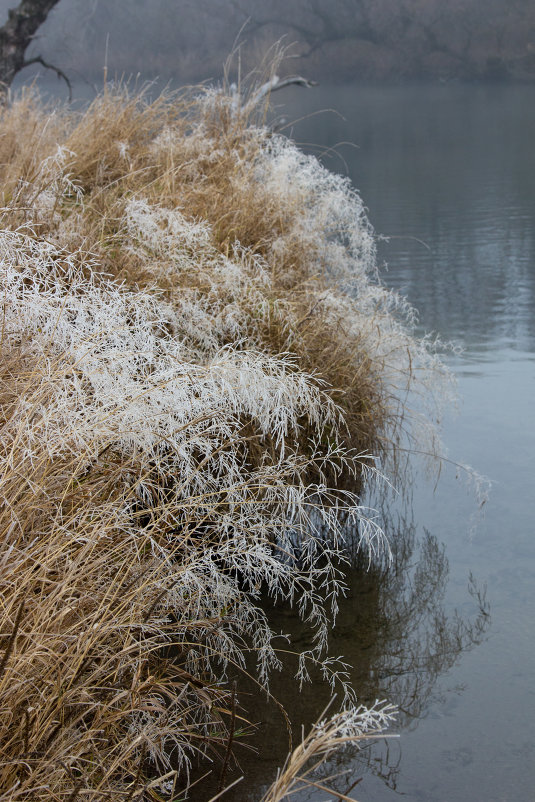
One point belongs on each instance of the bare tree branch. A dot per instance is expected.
(16, 36)
(277, 83)
(59, 72)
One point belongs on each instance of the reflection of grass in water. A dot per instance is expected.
(405, 640)
(394, 632)
(400, 613)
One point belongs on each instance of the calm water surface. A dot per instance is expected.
(448, 175)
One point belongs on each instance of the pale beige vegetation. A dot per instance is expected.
(197, 364)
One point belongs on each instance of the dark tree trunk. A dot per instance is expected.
(17, 34)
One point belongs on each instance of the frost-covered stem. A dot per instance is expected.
(347, 728)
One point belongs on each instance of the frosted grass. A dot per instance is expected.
(172, 386)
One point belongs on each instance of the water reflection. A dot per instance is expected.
(447, 174)
(395, 632)
(403, 626)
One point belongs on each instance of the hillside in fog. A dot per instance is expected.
(342, 40)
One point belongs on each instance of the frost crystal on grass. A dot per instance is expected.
(200, 374)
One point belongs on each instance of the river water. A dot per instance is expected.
(448, 175)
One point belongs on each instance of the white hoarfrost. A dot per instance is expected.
(121, 374)
(329, 220)
(322, 202)
(148, 379)
(180, 253)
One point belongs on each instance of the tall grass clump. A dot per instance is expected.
(200, 374)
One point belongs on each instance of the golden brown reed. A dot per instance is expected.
(183, 153)
(190, 198)
(86, 647)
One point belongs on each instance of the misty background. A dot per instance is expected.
(328, 40)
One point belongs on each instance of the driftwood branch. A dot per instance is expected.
(241, 105)
(276, 83)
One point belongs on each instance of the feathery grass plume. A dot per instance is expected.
(189, 194)
(197, 363)
(327, 736)
(134, 522)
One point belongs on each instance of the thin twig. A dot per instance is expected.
(12, 637)
(230, 739)
(59, 72)
(331, 791)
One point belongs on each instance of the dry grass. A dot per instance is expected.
(127, 176)
(88, 697)
(327, 736)
(197, 362)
